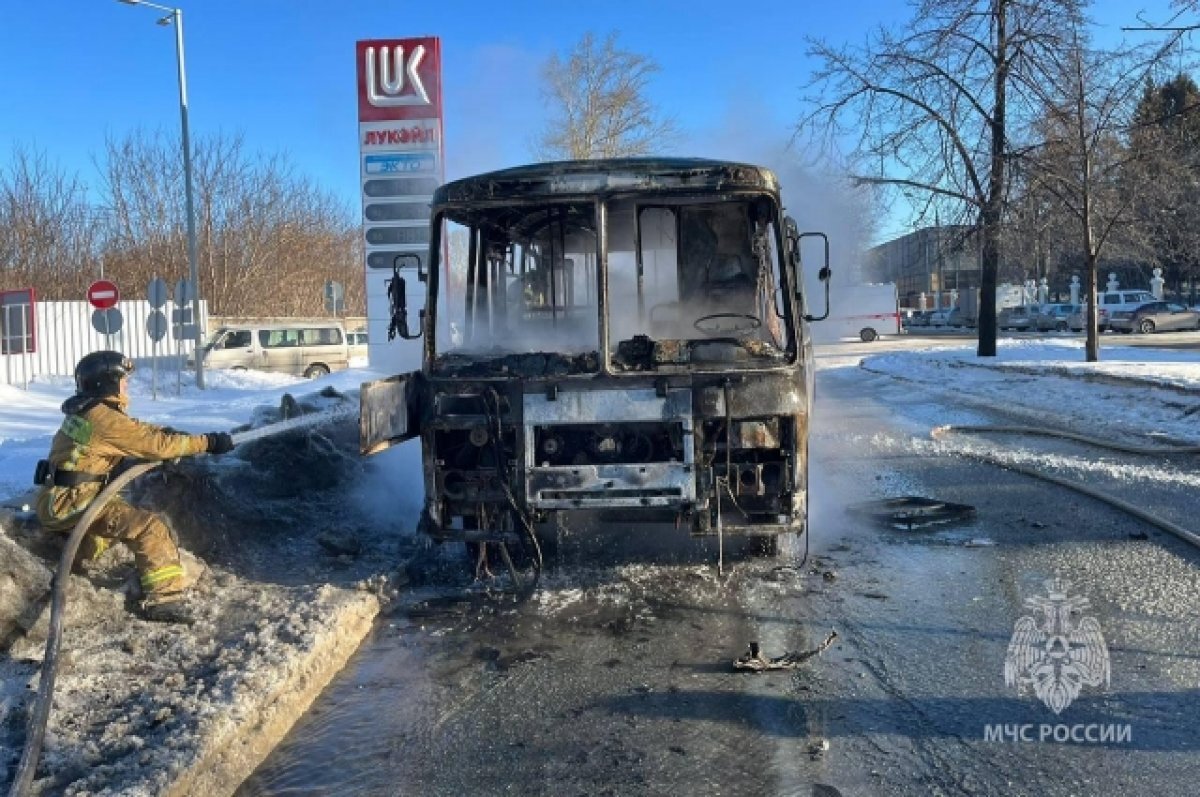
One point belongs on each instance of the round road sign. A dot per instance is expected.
(156, 325)
(107, 322)
(156, 292)
(103, 294)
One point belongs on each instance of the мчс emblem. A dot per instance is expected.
(1058, 653)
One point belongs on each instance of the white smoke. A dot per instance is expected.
(814, 194)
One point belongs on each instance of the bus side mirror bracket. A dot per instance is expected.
(398, 298)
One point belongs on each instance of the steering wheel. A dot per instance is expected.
(738, 323)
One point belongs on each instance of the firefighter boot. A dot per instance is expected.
(175, 611)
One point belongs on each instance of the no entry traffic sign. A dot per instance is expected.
(103, 294)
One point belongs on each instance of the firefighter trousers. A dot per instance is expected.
(147, 536)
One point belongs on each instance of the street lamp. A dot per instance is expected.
(175, 16)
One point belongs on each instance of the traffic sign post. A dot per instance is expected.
(103, 295)
(156, 328)
(186, 326)
(335, 296)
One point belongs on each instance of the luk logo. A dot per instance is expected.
(1058, 653)
(385, 79)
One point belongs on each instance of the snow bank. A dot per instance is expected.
(147, 709)
(144, 708)
(24, 581)
(1133, 391)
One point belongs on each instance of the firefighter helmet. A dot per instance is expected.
(100, 373)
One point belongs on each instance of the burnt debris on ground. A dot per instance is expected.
(911, 512)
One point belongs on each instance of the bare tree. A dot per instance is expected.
(1164, 177)
(1090, 100)
(49, 235)
(268, 237)
(1179, 23)
(599, 107)
(936, 107)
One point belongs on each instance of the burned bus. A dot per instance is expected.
(627, 337)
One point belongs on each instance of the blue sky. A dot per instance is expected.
(282, 73)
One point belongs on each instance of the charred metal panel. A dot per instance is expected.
(762, 433)
(591, 484)
(612, 406)
(754, 397)
(655, 484)
(389, 412)
(611, 176)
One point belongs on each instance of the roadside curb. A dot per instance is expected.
(237, 742)
(220, 711)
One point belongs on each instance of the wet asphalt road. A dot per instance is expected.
(616, 678)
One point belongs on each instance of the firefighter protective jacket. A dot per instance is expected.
(95, 436)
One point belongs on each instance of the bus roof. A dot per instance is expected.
(616, 175)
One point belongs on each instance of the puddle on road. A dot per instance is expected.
(431, 675)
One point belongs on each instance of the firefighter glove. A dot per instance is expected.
(219, 442)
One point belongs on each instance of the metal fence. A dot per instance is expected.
(65, 333)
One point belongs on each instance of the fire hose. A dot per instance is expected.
(1186, 535)
(40, 715)
(38, 718)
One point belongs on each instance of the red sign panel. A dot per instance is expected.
(103, 294)
(399, 79)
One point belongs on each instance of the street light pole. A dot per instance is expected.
(175, 17)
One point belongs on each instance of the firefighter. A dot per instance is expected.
(95, 437)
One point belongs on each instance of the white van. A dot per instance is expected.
(303, 348)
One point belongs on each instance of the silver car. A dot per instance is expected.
(1155, 317)
(1056, 317)
(1019, 317)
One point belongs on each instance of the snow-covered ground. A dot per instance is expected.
(1138, 390)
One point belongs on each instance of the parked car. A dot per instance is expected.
(959, 318)
(939, 318)
(1110, 302)
(918, 319)
(1019, 317)
(1155, 317)
(1077, 320)
(1056, 317)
